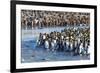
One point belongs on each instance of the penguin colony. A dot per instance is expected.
(74, 39)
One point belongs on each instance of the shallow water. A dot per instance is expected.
(31, 53)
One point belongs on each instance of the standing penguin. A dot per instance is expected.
(46, 44)
(81, 49)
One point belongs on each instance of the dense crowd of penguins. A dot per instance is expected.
(73, 39)
(39, 19)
